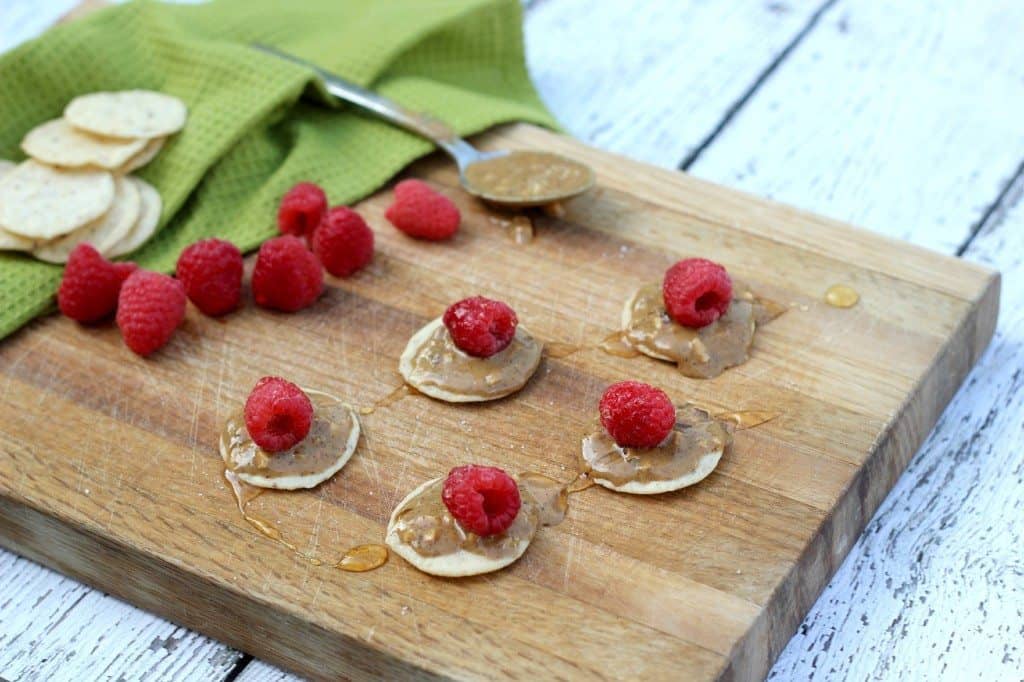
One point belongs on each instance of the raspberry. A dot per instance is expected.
(88, 291)
(277, 414)
(484, 500)
(422, 213)
(301, 210)
(211, 271)
(343, 242)
(696, 291)
(480, 327)
(150, 308)
(287, 276)
(637, 415)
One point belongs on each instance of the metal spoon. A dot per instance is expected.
(515, 179)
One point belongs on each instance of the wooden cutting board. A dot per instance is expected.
(109, 470)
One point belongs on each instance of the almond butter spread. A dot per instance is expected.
(319, 450)
(551, 496)
(700, 353)
(695, 435)
(439, 363)
(426, 525)
(528, 176)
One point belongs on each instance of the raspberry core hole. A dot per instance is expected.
(493, 504)
(706, 301)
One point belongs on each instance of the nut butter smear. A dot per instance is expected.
(695, 437)
(425, 524)
(439, 366)
(701, 353)
(333, 423)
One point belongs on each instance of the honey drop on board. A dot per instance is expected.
(363, 558)
(747, 419)
(616, 344)
(841, 296)
(580, 483)
(558, 350)
(390, 399)
(520, 230)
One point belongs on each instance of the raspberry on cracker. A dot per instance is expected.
(484, 500)
(637, 415)
(287, 275)
(343, 242)
(697, 292)
(301, 210)
(480, 326)
(423, 213)
(91, 284)
(211, 271)
(149, 309)
(278, 414)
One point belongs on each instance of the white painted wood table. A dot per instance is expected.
(905, 117)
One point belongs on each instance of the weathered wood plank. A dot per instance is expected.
(933, 589)
(901, 117)
(56, 628)
(653, 80)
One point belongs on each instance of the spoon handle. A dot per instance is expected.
(422, 124)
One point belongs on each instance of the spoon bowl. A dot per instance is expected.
(510, 179)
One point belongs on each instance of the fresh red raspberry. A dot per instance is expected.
(343, 242)
(422, 213)
(211, 270)
(287, 276)
(484, 500)
(479, 326)
(696, 291)
(301, 210)
(278, 414)
(150, 308)
(88, 291)
(637, 415)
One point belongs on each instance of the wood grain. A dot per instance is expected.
(127, 467)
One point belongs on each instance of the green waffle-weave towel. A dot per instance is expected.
(249, 136)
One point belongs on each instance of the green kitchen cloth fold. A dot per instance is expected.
(249, 137)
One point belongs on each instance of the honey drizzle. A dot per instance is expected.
(356, 560)
(362, 558)
(618, 345)
(520, 230)
(580, 483)
(244, 494)
(747, 419)
(390, 399)
(557, 350)
(841, 296)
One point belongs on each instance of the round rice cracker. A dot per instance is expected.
(103, 233)
(9, 241)
(129, 113)
(457, 565)
(308, 480)
(150, 207)
(59, 144)
(705, 465)
(407, 368)
(42, 202)
(147, 154)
